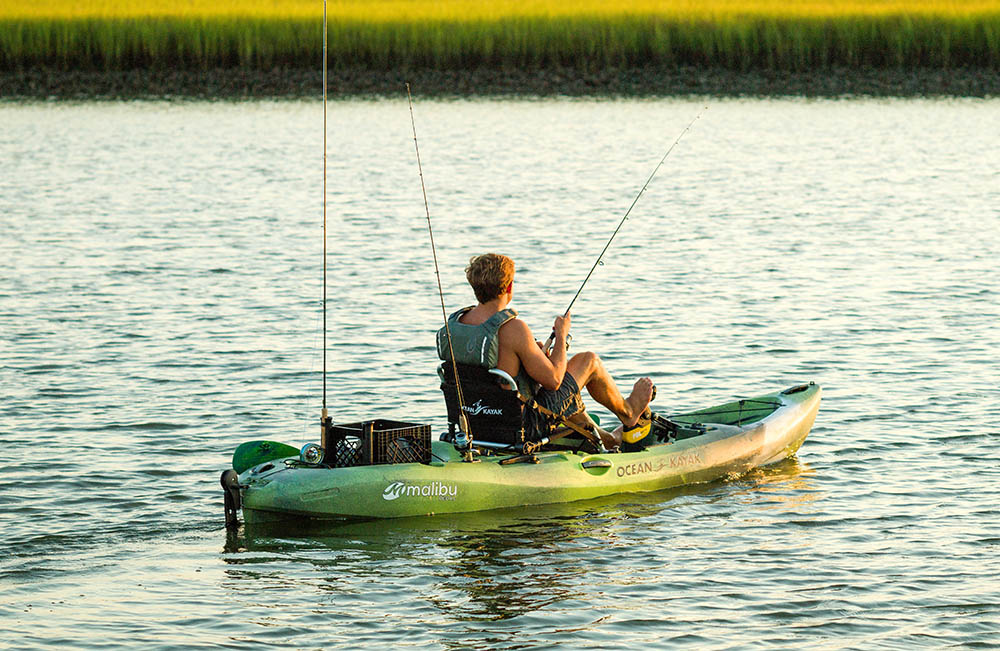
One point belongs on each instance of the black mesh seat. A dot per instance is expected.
(495, 411)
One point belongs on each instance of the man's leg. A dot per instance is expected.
(588, 371)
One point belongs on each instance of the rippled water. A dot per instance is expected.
(159, 304)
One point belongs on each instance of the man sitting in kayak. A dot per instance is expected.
(490, 335)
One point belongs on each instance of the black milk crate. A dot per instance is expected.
(377, 441)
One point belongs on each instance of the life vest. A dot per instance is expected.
(479, 345)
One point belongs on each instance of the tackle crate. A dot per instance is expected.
(378, 441)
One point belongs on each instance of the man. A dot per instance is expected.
(490, 335)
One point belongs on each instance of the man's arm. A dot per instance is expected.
(548, 371)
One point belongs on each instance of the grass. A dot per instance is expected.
(454, 34)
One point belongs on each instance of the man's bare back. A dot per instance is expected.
(518, 349)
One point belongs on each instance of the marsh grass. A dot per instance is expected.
(454, 34)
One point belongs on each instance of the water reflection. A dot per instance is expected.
(789, 485)
(780, 247)
(490, 565)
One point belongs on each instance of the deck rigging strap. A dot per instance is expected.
(463, 422)
(751, 406)
(736, 410)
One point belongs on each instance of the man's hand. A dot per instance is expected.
(561, 327)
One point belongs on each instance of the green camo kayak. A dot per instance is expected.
(726, 440)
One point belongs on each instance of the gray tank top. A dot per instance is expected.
(479, 345)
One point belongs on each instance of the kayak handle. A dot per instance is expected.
(796, 389)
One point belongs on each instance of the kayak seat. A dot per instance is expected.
(494, 410)
(497, 413)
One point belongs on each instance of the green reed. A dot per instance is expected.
(752, 42)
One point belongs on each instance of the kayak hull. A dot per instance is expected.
(277, 491)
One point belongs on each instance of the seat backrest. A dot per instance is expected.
(494, 412)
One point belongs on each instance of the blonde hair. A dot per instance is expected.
(489, 274)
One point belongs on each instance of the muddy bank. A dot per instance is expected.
(292, 83)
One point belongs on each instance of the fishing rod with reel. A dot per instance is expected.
(463, 440)
(464, 437)
(325, 419)
(310, 453)
(551, 340)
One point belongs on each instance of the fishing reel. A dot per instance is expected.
(311, 454)
(547, 348)
(463, 441)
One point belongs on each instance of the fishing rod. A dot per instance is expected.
(325, 417)
(463, 423)
(551, 339)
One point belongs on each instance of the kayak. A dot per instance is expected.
(273, 482)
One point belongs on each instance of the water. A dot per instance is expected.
(160, 304)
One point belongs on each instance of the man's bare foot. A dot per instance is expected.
(641, 396)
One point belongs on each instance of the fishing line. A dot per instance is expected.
(634, 201)
(551, 338)
(462, 420)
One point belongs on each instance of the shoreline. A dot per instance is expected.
(297, 83)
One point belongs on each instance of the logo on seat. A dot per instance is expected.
(478, 408)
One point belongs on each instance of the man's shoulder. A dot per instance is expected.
(515, 328)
